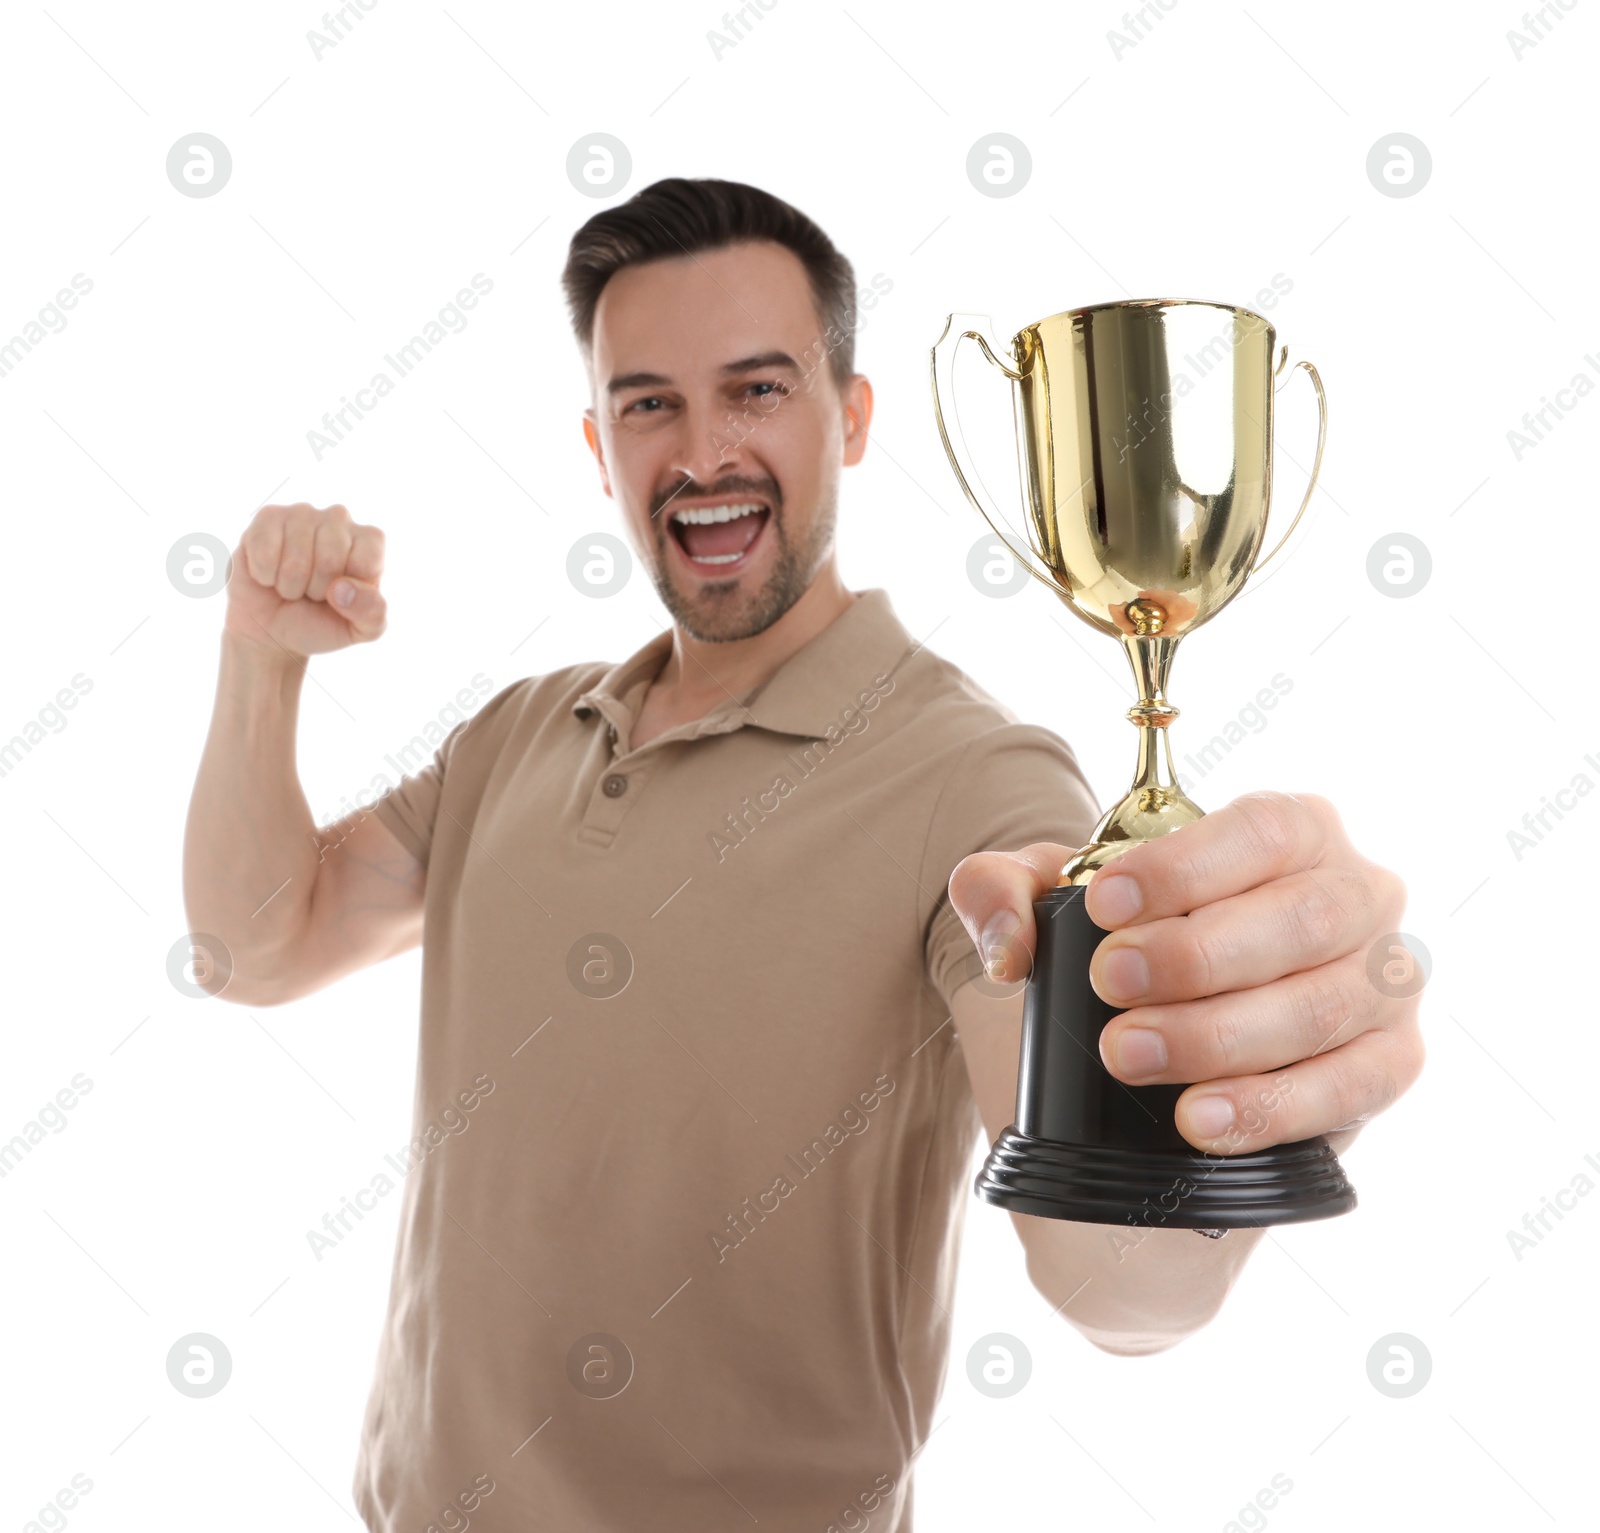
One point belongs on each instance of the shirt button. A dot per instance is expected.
(615, 785)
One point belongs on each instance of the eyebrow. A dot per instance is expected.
(762, 359)
(742, 365)
(635, 381)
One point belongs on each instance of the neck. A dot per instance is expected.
(699, 675)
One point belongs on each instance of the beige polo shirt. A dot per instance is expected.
(692, 1130)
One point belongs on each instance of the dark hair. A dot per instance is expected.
(676, 217)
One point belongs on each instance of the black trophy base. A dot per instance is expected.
(1165, 1189)
(1088, 1147)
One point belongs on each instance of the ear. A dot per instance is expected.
(856, 398)
(591, 434)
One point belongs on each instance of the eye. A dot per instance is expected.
(778, 388)
(638, 404)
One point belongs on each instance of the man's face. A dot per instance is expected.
(720, 431)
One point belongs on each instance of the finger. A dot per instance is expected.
(993, 893)
(1249, 1031)
(365, 611)
(329, 550)
(263, 544)
(1256, 838)
(294, 562)
(365, 561)
(1291, 924)
(1344, 1088)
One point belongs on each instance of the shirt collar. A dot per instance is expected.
(804, 696)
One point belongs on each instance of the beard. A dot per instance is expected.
(721, 611)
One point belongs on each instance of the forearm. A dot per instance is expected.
(1132, 1289)
(249, 855)
(1128, 1288)
(1139, 1288)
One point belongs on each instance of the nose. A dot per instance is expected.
(708, 443)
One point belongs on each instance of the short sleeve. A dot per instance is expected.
(1014, 785)
(410, 808)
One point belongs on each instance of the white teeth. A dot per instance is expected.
(702, 514)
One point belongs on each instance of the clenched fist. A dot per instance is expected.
(306, 581)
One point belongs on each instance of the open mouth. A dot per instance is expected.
(718, 538)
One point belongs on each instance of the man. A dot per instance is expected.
(706, 1047)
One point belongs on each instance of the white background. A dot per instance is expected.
(1224, 147)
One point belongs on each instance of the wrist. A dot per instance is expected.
(250, 665)
(264, 653)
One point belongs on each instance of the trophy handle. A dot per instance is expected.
(957, 327)
(1322, 438)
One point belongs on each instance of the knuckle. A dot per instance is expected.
(331, 551)
(965, 878)
(1271, 818)
(1411, 1056)
(1390, 888)
(1314, 915)
(980, 878)
(1323, 808)
(1366, 890)
(1202, 960)
(1363, 1088)
(1231, 1034)
(1322, 1008)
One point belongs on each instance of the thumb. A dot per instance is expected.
(360, 604)
(993, 893)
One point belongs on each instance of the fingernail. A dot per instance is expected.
(1125, 974)
(343, 593)
(1140, 1051)
(1210, 1117)
(995, 943)
(1116, 898)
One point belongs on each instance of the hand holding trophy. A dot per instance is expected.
(1145, 442)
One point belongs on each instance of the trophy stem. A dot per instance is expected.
(1155, 804)
(1151, 659)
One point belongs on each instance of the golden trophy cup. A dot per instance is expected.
(1144, 436)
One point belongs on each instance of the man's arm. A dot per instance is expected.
(1255, 956)
(1128, 1291)
(294, 908)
